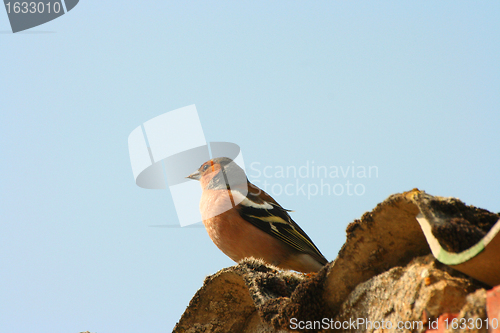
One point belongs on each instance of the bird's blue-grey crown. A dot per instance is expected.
(232, 175)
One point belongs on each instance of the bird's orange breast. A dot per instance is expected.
(233, 235)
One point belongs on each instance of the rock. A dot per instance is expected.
(403, 297)
(384, 274)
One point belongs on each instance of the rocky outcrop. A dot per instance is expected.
(384, 279)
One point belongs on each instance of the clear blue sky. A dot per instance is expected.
(410, 88)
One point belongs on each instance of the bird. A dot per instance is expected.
(244, 221)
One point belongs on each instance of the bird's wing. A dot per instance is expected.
(265, 213)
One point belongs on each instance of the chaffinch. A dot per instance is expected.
(244, 221)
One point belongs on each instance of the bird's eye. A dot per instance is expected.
(205, 167)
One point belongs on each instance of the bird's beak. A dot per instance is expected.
(195, 175)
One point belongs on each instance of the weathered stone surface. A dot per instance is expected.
(384, 272)
(386, 237)
(237, 298)
(413, 295)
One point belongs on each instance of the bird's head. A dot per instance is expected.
(219, 173)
